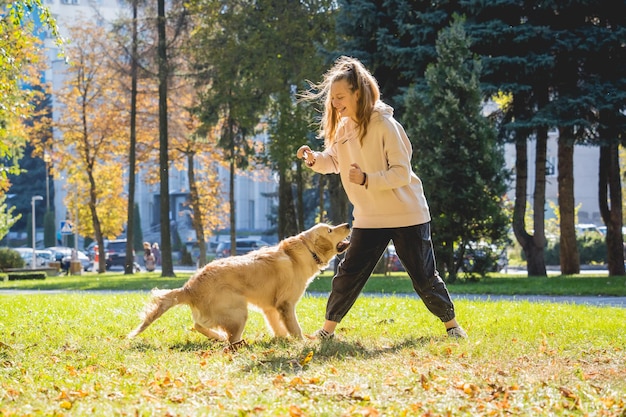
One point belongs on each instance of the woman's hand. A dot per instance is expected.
(304, 152)
(356, 175)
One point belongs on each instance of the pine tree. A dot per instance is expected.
(456, 154)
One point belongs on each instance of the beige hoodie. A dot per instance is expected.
(394, 196)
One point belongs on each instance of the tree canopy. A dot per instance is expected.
(456, 151)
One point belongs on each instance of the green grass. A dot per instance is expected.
(66, 354)
(395, 283)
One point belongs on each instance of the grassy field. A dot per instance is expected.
(66, 354)
(395, 283)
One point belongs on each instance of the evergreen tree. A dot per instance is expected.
(587, 105)
(457, 156)
(515, 44)
(137, 241)
(49, 230)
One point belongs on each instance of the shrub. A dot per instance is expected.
(16, 276)
(185, 257)
(591, 249)
(10, 258)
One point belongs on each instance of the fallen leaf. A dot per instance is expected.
(368, 412)
(295, 411)
(279, 379)
(296, 381)
(307, 358)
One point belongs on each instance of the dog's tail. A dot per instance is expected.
(162, 300)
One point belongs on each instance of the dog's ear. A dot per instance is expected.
(323, 245)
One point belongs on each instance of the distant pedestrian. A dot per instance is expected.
(157, 253)
(148, 257)
(66, 262)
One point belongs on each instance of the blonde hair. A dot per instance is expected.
(359, 80)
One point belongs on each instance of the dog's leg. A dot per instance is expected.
(232, 321)
(275, 322)
(287, 312)
(211, 334)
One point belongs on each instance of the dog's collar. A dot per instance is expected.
(317, 258)
(313, 254)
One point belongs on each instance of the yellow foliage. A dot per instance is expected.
(92, 152)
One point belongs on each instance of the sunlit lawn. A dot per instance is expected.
(584, 284)
(66, 354)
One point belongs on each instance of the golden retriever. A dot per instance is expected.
(273, 279)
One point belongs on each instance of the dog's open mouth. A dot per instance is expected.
(342, 246)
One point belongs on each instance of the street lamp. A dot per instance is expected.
(47, 159)
(32, 203)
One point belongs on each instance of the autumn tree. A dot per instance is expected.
(133, 59)
(20, 63)
(193, 149)
(90, 150)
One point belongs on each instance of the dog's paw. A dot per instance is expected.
(234, 347)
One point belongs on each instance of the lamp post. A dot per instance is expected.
(46, 158)
(33, 261)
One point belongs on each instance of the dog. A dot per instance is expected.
(272, 279)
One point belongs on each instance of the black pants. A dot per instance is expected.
(415, 250)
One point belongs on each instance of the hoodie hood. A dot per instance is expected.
(384, 109)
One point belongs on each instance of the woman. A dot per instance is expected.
(148, 257)
(371, 152)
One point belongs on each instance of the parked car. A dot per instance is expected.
(244, 245)
(114, 252)
(60, 252)
(43, 257)
(582, 228)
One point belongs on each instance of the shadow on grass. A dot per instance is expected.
(277, 357)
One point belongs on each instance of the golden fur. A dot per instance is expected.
(273, 279)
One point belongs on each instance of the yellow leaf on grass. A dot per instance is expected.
(279, 379)
(368, 412)
(307, 358)
(66, 405)
(295, 411)
(296, 381)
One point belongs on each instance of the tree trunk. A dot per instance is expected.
(96, 222)
(451, 265)
(130, 223)
(568, 253)
(339, 205)
(231, 197)
(197, 219)
(321, 198)
(534, 253)
(299, 196)
(287, 224)
(164, 189)
(610, 192)
(538, 265)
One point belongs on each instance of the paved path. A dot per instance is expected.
(588, 300)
